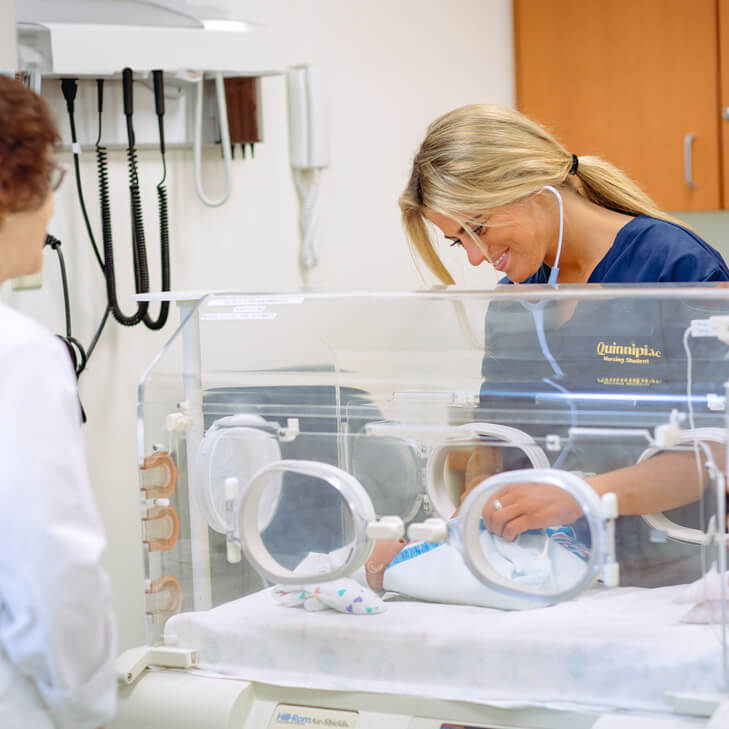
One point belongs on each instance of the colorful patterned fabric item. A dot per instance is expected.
(344, 595)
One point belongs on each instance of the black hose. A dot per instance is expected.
(69, 87)
(78, 355)
(56, 245)
(99, 330)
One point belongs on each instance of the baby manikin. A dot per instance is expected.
(550, 559)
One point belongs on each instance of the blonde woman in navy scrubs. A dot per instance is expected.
(498, 185)
(494, 182)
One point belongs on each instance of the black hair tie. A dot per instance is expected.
(575, 163)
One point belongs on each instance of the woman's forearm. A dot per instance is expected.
(666, 481)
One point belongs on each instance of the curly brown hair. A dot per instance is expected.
(27, 133)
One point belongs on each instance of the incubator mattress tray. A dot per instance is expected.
(608, 649)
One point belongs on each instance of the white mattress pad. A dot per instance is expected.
(608, 649)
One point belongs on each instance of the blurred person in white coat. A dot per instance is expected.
(57, 633)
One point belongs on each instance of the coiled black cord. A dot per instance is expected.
(164, 237)
(104, 202)
(164, 224)
(139, 248)
(139, 251)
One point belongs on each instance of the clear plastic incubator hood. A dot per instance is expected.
(436, 509)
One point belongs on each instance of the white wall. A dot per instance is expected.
(8, 42)
(391, 68)
(713, 227)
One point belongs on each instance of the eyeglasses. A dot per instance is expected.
(56, 173)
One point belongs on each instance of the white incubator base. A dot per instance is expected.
(169, 699)
(439, 667)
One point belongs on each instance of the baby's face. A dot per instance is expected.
(384, 552)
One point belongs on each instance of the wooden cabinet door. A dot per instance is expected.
(633, 81)
(724, 97)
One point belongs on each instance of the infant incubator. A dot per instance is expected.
(280, 437)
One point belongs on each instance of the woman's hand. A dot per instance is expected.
(477, 464)
(519, 507)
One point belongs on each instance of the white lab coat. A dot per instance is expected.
(57, 634)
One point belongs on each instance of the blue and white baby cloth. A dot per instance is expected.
(344, 594)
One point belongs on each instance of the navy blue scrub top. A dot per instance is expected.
(648, 250)
(519, 379)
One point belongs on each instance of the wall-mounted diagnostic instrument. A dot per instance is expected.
(118, 71)
(308, 150)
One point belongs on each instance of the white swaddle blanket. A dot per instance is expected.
(550, 560)
(705, 598)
